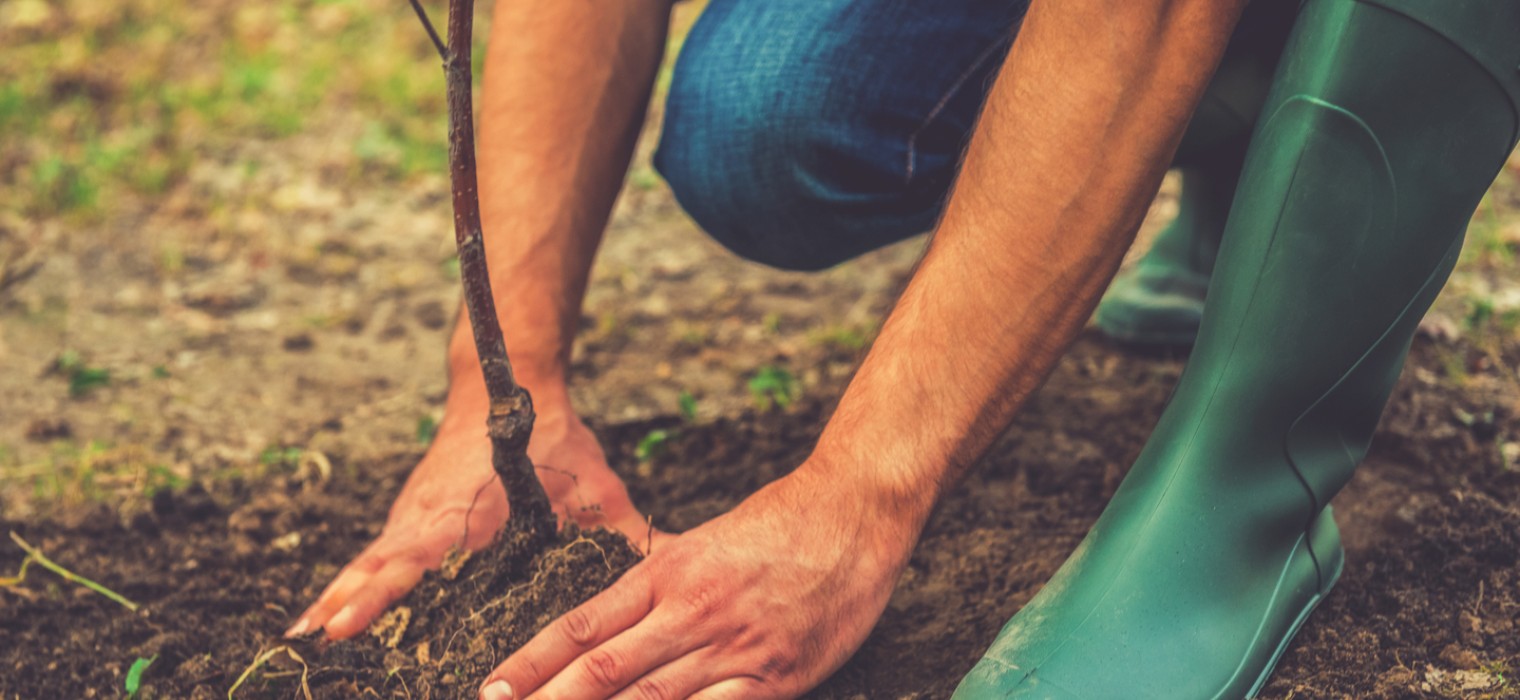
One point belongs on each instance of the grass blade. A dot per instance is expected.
(34, 554)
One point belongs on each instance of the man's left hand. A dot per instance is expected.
(763, 602)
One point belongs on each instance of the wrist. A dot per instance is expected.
(891, 509)
(539, 368)
(468, 399)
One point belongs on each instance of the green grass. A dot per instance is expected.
(103, 102)
(843, 339)
(1487, 241)
(90, 471)
(107, 104)
(772, 388)
(282, 458)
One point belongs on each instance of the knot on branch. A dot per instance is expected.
(511, 421)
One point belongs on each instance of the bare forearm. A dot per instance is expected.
(1076, 135)
(566, 86)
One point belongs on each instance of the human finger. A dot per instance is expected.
(603, 671)
(576, 632)
(392, 581)
(732, 689)
(336, 595)
(681, 678)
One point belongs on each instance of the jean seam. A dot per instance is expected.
(955, 87)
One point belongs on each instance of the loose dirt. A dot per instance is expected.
(1429, 605)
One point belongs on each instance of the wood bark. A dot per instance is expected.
(511, 414)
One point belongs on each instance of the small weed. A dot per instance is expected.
(161, 478)
(842, 339)
(1453, 364)
(135, 674)
(644, 179)
(1479, 315)
(692, 336)
(773, 387)
(82, 378)
(1498, 669)
(688, 405)
(771, 322)
(652, 445)
(280, 457)
(427, 429)
(160, 372)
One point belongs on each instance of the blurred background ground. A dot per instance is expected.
(226, 256)
(225, 242)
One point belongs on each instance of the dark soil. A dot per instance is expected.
(1429, 605)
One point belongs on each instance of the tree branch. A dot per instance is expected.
(427, 24)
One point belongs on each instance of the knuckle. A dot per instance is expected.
(368, 562)
(653, 689)
(578, 627)
(524, 673)
(605, 668)
(389, 592)
(704, 599)
(777, 664)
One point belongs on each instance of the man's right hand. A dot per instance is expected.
(560, 78)
(453, 498)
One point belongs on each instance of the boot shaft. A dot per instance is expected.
(1378, 140)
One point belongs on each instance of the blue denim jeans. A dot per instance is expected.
(802, 133)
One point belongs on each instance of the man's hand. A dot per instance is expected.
(453, 498)
(763, 602)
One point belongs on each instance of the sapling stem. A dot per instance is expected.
(511, 408)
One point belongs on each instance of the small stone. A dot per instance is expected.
(1398, 677)
(1470, 628)
(299, 342)
(45, 429)
(287, 542)
(1458, 657)
(432, 315)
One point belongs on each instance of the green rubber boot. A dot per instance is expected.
(1387, 121)
(1159, 301)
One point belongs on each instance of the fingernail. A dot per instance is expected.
(342, 620)
(299, 628)
(496, 690)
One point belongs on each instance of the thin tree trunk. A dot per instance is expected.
(511, 416)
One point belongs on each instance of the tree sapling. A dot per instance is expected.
(511, 414)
